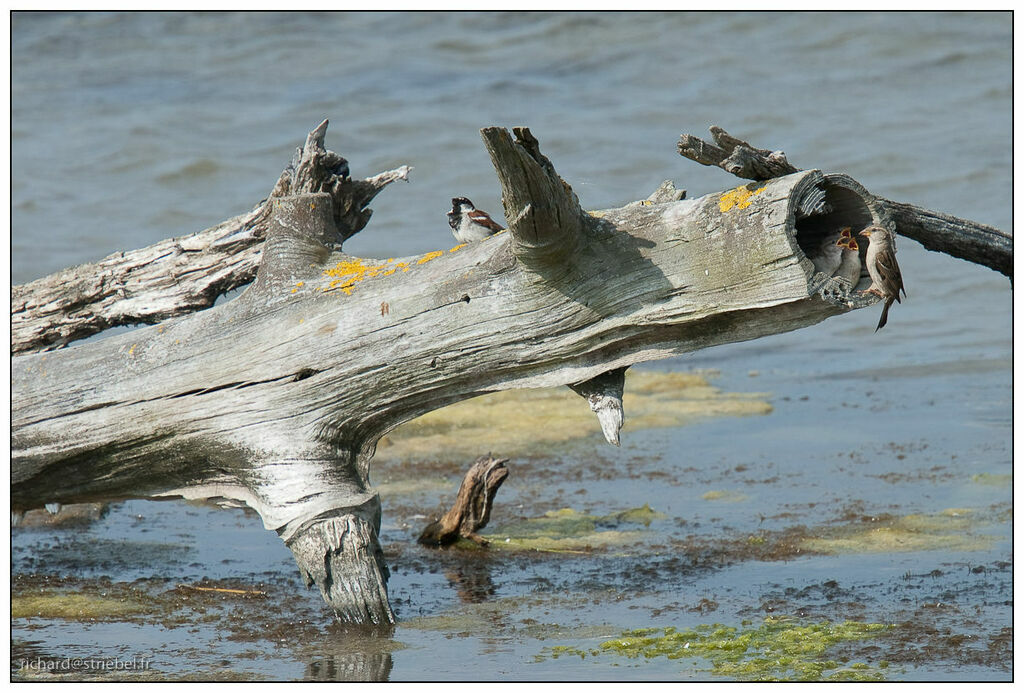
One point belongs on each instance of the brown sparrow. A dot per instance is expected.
(880, 259)
(469, 223)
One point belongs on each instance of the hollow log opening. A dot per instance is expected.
(827, 216)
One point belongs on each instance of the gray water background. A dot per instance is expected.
(130, 128)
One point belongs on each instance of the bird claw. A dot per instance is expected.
(836, 290)
(817, 282)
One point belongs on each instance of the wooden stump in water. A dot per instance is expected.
(472, 508)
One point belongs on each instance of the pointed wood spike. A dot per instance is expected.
(604, 395)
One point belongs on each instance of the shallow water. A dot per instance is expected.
(891, 449)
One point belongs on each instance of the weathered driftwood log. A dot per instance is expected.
(471, 510)
(278, 398)
(962, 238)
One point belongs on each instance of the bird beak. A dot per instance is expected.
(865, 233)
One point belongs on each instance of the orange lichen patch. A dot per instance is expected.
(132, 350)
(347, 273)
(430, 256)
(738, 198)
(461, 245)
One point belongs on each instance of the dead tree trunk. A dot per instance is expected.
(277, 399)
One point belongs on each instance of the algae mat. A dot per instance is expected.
(520, 423)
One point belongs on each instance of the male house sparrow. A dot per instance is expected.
(886, 280)
(469, 223)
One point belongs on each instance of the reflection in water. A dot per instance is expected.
(352, 653)
(472, 582)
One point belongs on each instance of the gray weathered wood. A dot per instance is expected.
(961, 238)
(277, 399)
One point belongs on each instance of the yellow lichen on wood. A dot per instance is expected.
(430, 256)
(459, 246)
(738, 198)
(347, 273)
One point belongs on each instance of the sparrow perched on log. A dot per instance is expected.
(886, 280)
(469, 223)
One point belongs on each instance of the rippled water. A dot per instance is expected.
(129, 128)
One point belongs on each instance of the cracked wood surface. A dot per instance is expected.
(179, 276)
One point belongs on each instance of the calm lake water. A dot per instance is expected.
(130, 128)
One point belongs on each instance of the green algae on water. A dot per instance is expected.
(523, 423)
(570, 530)
(987, 479)
(777, 650)
(72, 606)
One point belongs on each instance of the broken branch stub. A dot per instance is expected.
(543, 213)
(604, 395)
(735, 156)
(471, 510)
(182, 275)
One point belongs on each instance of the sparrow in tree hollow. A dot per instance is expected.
(886, 280)
(469, 223)
(849, 267)
(829, 254)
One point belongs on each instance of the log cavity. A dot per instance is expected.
(827, 207)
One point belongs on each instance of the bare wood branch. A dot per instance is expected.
(277, 399)
(544, 214)
(735, 156)
(961, 238)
